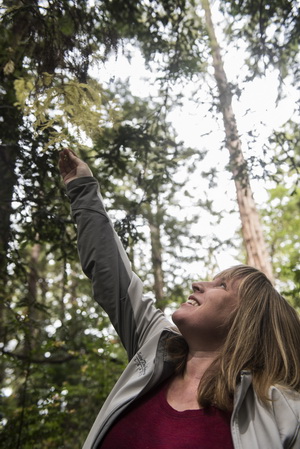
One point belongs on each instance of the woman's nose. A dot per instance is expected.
(198, 287)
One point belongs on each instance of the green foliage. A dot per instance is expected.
(47, 49)
(54, 338)
(64, 357)
(282, 212)
(168, 32)
(136, 161)
(282, 216)
(57, 35)
(271, 30)
(61, 105)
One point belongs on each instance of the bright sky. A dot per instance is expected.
(255, 110)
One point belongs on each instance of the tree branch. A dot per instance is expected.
(43, 360)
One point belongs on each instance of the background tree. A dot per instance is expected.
(183, 42)
(271, 31)
(146, 154)
(42, 47)
(253, 236)
(282, 211)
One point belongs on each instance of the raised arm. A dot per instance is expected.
(117, 289)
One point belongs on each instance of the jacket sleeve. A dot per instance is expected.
(115, 287)
(286, 410)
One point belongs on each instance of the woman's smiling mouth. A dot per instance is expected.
(194, 302)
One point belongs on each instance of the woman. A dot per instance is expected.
(227, 376)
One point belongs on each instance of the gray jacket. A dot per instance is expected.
(143, 331)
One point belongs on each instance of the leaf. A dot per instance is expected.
(9, 68)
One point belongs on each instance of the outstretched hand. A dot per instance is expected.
(71, 167)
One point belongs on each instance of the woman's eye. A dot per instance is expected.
(223, 285)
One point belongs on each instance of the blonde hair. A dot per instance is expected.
(264, 337)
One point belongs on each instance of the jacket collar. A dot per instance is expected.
(241, 390)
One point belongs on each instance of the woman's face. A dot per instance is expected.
(203, 318)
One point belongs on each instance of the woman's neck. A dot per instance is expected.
(182, 393)
(197, 363)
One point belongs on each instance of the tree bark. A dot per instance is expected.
(256, 248)
(9, 150)
(31, 339)
(156, 256)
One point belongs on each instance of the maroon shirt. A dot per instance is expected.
(151, 423)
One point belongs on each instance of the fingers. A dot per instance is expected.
(70, 154)
(67, 154)
(62, 163)
(65, 163)
(71, 167)
(67, 160)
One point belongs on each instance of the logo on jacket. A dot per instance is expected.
(140, 363)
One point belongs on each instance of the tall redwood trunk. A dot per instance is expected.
(257, 253)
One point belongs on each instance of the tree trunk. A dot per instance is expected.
(9, 150)
(257, 253)
(156, 256)
(31, 340)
